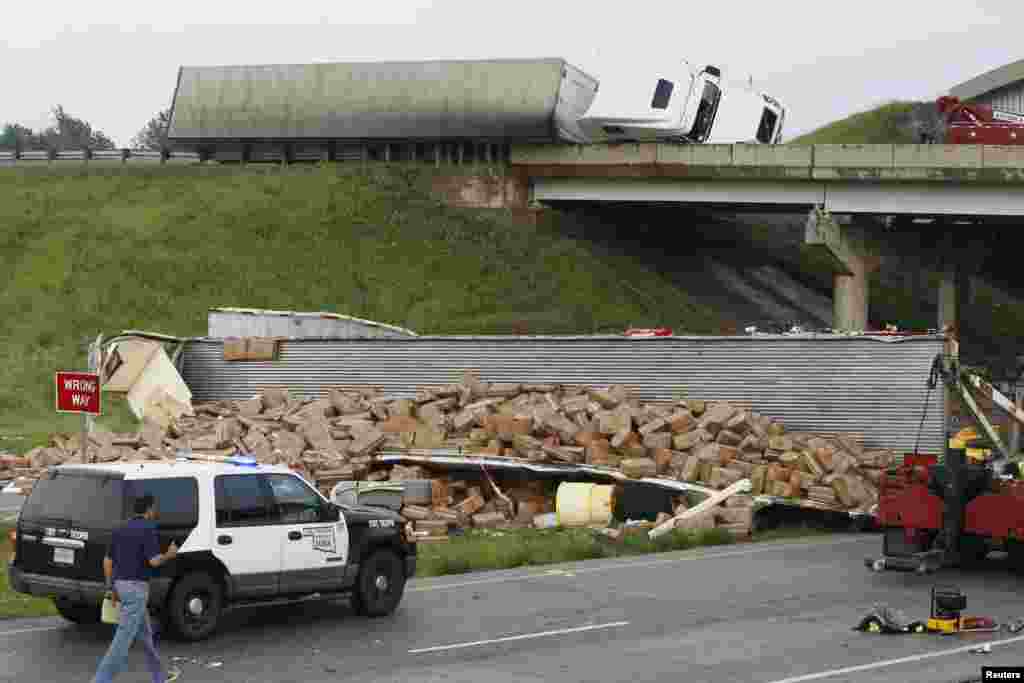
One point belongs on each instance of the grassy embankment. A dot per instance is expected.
(887, 124)
(86, 251)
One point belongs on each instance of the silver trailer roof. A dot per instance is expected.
(509, 99)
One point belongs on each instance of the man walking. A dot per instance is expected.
(134, 553)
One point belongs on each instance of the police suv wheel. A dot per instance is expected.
(78, 613)
(380, 585)
(195, 606)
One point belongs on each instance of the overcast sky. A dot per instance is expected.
(114, 63)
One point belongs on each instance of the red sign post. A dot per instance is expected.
(78, 392)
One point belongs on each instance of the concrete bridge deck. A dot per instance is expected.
(983, 164)
(908, 180)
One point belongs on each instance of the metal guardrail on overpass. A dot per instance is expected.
(412, 151)
(33, 157)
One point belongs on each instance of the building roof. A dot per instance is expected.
(989, 81)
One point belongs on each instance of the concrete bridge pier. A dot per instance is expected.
(959, 257)
(844, 249)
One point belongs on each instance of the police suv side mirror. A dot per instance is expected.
(333, 513)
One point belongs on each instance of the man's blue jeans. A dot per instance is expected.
(134, 625)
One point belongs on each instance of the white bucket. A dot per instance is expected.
(584, 504)
(111, 613)
(345, 493)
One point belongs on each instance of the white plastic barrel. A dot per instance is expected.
(584, 504)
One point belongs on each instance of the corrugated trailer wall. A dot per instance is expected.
(853, 385)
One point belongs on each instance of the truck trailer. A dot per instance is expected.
(262, 112)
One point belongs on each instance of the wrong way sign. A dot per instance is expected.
(78, 392)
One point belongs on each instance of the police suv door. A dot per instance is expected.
(314, 547)
(243, 537)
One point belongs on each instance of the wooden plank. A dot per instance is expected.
(742, 486)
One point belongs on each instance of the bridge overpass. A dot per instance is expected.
(912, 180)
(842, 189)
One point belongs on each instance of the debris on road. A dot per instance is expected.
(884, 619)
(342, 437)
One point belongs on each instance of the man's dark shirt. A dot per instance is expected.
(131, 549)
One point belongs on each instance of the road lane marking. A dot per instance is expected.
(894, 662)
(30, 630)
(542, 634)
(629, 565)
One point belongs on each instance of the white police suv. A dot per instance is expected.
(247, 534)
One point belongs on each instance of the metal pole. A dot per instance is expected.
(88, 421)
(1018, 399)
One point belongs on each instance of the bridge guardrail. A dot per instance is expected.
(36, 156)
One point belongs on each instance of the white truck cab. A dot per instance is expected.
(688, 106)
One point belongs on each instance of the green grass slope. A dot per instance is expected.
(891, 123)
(90, 251)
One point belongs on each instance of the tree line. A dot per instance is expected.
(69, 132)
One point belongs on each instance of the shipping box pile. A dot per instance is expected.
(336, 439)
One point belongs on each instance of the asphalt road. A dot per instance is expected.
(780, 612)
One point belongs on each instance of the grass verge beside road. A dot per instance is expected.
(15, 605)
(489, 550)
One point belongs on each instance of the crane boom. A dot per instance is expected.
(961, 381)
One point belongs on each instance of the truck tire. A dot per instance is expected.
(380, 585)
(1015, 556)
(78, 613)
(194, 607)
(973, 550)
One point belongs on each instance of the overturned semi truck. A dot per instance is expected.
(403, 111)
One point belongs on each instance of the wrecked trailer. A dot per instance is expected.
(659, 441)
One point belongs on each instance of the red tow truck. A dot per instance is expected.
(952, 513)
(980, 124)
